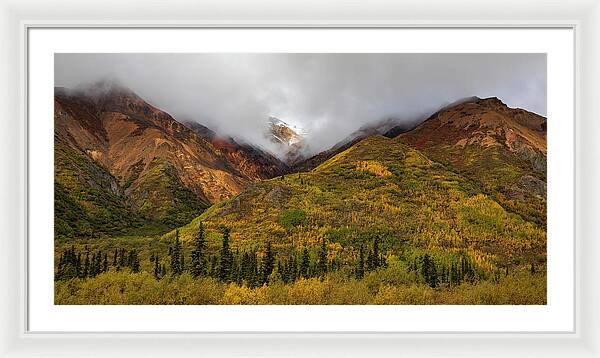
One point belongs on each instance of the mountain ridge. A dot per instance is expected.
(154, 158)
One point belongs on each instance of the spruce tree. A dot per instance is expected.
(122, 259)
(225, 261)
(105, 263)
(98, 264)
(305, 263)
(78, 265)
(92, 268)
(115, 254)
(238, 267)
(428, 270)
(250, 268)
(135, 265)
(86, 265)
(293, 268)
(322, 263)
(268, 263)
(373, 261)
(360, 265)
(157, 268)
(198, 264)
(176, 255)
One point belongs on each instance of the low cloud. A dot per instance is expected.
(329, 95)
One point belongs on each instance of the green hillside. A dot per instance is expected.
(379, 223)
(380, 189)
(504, 176)
(161, 197)
(89, 202)
(87, 199)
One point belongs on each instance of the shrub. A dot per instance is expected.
(292, 218)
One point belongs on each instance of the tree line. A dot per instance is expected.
(248, 267)
(460, 269)
(85, 264)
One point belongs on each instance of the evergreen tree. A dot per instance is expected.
(92, 268)
(237, 263)
(373, 260)
(78, 265)
(282, 269)
(115, 254)
(225, 262)
(98, 264)
(86, 265)
(292, 268)
(198, 264)
(428, 270)
(105, 263)
(322, 259)
(57, 275)
(176, 268)
(122, 259)
(305, 263)
(136, 263)
(250, 269)
(268, 263)
(360, 266)
(69, 265)
(157, 268)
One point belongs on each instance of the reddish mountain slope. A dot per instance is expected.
(503, 148)
(159, 164)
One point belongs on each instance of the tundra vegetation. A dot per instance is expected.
(379, 223)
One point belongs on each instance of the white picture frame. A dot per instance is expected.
(17, 17)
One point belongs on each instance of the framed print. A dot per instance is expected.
(396, 195)
(353, 187)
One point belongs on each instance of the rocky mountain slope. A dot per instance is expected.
(471, 179)
(379, 188)
(157, 167)
(502, 148)
(289, 138)
(255, 162)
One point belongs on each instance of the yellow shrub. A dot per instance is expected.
(373, 167)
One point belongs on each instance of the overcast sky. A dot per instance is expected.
(329, 95)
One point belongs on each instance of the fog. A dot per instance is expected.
(328, 95)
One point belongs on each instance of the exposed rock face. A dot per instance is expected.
(154, 158)
(503, 148)
(254, 162)
(486, 122)
(528, 185)
(289, 138)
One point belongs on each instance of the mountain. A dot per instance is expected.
(289, 138)
(502, 148)
(389, 128)
(112, 141)
(378, 188)
(451, 211)
(255, 162)
(470, 178)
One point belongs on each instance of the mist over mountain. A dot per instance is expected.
(328, 96)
